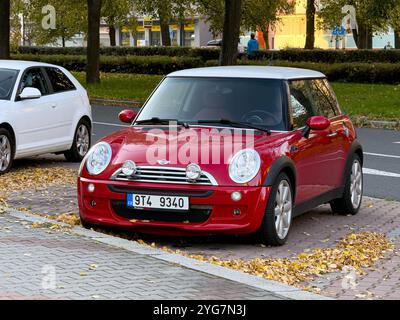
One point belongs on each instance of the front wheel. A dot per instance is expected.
(278, 217)
(81, 143)
(6, 151)
(351, 201)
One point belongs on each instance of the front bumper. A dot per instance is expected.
(211, 208)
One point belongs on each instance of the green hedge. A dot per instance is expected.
(388, 73)
(206, 54)
(161, 65)
(130, 64)
(331, 56)
(203, 53)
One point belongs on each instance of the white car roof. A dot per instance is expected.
(22, 65)
(253, 72)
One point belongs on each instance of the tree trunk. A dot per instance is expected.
(93, 42)
(231, 33)
(63, 41)
(111, 32)
(310, 33)
(364, 37)
(165, 38)
(397, 38)
(4, 29)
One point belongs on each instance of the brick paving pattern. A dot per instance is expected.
(316, 229)
(28, 257)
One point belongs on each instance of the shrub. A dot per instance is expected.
(203, 53)
(331, 56)
(130, 64)
(161, 65)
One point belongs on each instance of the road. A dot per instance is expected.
(381, 147)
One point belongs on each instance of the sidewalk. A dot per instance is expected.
(38, 262)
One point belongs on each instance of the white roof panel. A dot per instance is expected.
(255, 72)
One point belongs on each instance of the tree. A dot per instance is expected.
(165, 11)
(93, 42)
(117, 13)
(70, 18)
(310, 33)
(4, 29)
(262, 14)
(372, 16)
(395, 24)
(231, 33)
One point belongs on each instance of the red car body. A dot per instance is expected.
(316, 158)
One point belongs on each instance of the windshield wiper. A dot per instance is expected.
(162, 121)
(234, 123)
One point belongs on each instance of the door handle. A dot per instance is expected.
(53, 107)
(333, 135)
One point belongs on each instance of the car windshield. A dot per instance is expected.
(252, 101)
(7, 80)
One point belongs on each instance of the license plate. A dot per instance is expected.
(141, 201)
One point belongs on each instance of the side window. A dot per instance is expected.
(34, 78)
(324, 102)
(59, 81)
(301, 102)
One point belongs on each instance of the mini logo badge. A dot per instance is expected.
(163, 162)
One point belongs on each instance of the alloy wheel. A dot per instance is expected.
(82, 140)
(5, 152)
(283, 209)
(356, 184)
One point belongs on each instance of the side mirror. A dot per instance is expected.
(317, 123)
(30, 93)
(127, 116)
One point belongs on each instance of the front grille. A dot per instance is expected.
(164, 175)
(197, 214)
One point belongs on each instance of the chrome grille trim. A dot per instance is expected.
(169, 175)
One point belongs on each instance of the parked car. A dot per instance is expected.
(304, 154)
(43, 109)
(217, 43)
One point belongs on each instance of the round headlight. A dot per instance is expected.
(99, 158)
(244, 166)
(129, 168)
(193, 172)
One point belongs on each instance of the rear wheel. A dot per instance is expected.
(351, 201)
(81, 143)
(279, 213)
(7, 148)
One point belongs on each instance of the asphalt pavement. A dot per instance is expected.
(381, 148)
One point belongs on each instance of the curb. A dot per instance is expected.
(276, 288)
(116, 103)
(359, 121)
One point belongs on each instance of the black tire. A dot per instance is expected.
(345, 205)
(268, 234)
(86, 225)
(74, 154)
(7, 152)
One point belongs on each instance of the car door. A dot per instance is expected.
(35, 122)
(66, 102)
(318, 157)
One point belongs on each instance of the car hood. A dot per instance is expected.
(211, 148)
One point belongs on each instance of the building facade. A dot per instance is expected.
(290, 32)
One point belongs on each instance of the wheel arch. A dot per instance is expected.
(285, 165)
(355, 148)
(86, 118)
(8, 127)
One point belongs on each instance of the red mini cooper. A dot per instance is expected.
(225, 150)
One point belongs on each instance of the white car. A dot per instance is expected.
(43, 109)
